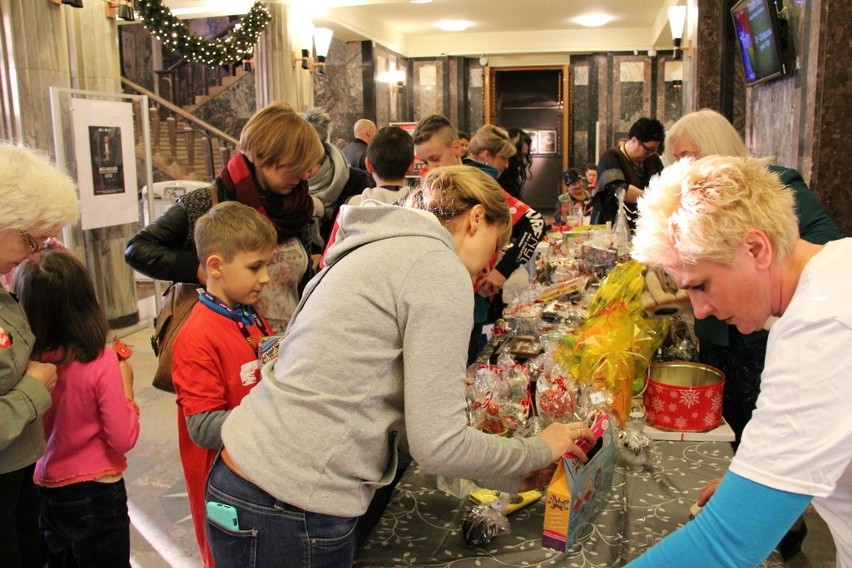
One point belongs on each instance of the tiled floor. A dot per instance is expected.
(162, 530)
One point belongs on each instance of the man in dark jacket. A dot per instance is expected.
(629, 167)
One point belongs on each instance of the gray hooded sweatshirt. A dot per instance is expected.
(374, 358)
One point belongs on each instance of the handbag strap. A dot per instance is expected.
(314, 283)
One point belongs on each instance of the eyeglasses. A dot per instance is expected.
(649, 151)
(35, 246)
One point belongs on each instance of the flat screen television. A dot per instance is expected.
(762, 39)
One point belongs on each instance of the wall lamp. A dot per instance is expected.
(395, 78)
(677, 18)
(121, 9)
(322, 42)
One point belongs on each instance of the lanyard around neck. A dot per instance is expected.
(243, 316)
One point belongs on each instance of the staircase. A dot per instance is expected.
(226, 82)
(184, 146)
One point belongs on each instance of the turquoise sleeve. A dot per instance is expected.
(739, 526)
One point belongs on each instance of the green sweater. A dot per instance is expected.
(23, 399)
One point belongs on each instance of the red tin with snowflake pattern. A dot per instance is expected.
(684, 396)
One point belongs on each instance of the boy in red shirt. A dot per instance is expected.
(214, 361)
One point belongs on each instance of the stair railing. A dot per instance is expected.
(185, 126)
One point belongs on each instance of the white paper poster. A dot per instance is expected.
(106, 162)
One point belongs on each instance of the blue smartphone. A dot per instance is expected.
(223, 515)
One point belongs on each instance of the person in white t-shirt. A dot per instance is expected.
(725, 230)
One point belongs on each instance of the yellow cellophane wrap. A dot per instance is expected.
(615, 343)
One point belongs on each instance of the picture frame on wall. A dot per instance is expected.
(533, 140)
(546, 142)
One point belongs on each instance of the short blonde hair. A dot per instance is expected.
(709, 131)
(231, 228)
(451, 191)
(494, 139)
(34, 193)
(278, 135)
(698, 211)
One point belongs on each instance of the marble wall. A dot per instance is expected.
(801, 120)
(230, 110)
(609, 92)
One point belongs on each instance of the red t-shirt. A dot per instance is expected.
(213, 368)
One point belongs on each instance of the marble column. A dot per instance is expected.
(277, 79)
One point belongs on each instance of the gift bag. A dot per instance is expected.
(578, 490)
(177, 303)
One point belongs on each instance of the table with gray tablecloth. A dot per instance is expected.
(422, 524)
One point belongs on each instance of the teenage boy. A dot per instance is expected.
(436, 143)
(390, 156)
(214, 361)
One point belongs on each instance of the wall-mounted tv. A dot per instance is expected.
(762, 38)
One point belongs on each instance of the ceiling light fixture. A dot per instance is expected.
(453, 25)
(594, 20)
(419, 1)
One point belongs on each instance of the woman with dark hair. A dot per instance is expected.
(513, 178)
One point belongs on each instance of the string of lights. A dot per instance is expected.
(174, 34)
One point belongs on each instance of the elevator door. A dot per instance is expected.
(532, 99)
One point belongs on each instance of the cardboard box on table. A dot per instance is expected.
(578, 490)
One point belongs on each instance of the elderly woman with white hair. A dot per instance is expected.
(38, 201)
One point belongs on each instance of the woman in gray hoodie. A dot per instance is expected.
(373, 365)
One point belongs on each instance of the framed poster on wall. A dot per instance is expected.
(547, 143)
(106, 162)
(533, 140)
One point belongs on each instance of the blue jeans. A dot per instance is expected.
(272, 533)
(86, 524)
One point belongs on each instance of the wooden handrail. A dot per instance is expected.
(189, 117)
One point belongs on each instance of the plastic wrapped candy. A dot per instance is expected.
(616, 342)
(484, 522)
(634, 446)
(498, 396)
(556, 396)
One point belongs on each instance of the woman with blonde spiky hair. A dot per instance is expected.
(725, 230)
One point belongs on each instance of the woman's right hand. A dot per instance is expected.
(45, 373)
(708, 491)
(562, 438)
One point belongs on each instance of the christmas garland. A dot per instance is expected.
(174, 34)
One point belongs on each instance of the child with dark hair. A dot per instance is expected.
(92, 422)
(390, 156)
(464, 142)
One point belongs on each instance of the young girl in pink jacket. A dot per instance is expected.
(92, 423)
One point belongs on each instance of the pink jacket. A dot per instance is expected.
(90, 425)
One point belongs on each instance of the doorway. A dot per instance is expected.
(537, 101)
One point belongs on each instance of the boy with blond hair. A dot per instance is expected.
(214, 362)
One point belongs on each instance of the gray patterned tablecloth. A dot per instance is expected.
(422, 524)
